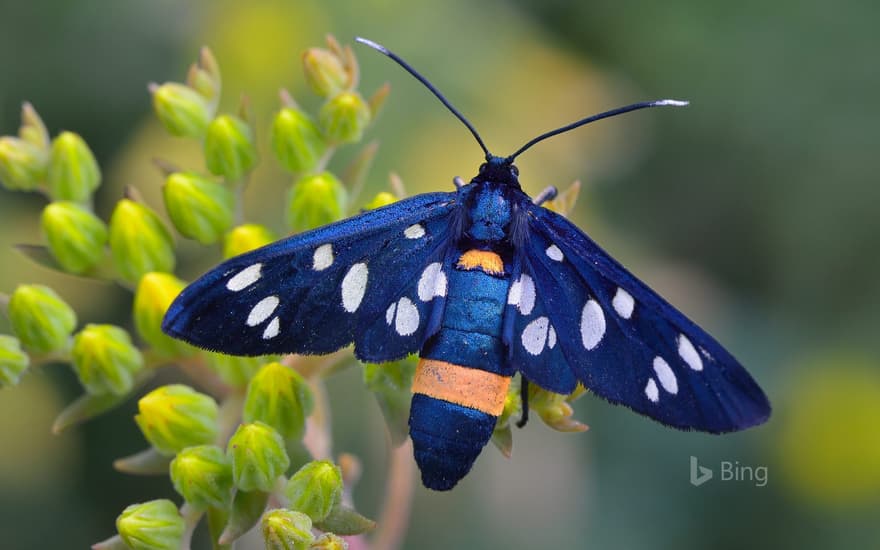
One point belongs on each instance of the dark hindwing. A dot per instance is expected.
(352, 281)
(620, 339)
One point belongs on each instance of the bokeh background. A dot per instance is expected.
(754, 210)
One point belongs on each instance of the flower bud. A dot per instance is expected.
(182, 110)
(199, 208)
(382, 199)
(153, 525)
(13, 361)
(153, 296)
(296, 141)
(139, 241)
(245, 238)
(325, 72)
(23, 165)
(344, 117)
(76, 237)
(555, 410)
(329, 541)
(203, 476)
(73, 171)
(176, 416)
(280, 397)
(258, 456)
(286, 530)
(229, 147)
(40, 318)
(105, 359)
(315, 201)
(315, 489)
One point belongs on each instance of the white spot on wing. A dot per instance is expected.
(554, 253)
(623, 303)
(551, 337)
(245, 278)
(527, 295)
(432, 282)
(689, 354)
(262, 311)
(323, 257)
(651, 391)
(534, 336)
(353, 287)
(515, 293)
(407, 321)
(592, 324)
(415, 231)
(272, 329)
(665, 375)
(389, 313)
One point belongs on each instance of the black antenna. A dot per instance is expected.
(600, 116)
(382, 49)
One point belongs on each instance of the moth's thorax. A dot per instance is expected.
(489, 213)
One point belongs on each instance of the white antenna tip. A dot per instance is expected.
(671, 103)
(371, 44)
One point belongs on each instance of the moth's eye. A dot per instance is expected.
(483, 166)
(514, 170)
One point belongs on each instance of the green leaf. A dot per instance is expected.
(247, 507)
(148, 462)
(345, 521)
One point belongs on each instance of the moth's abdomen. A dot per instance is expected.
(462, 378)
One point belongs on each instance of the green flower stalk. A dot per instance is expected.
(13, 360)
(245, 238)
(202, 475)
(40, 318)
(280, 397)
(344, 117)
(296, 141)
(153, 296)
(315, 201)
(258, 457)
(175, 417)
(286, 530)
(105, 359)
(329, 541)
(381, 199)
(325, 72)
(153, 525)
(315, 489)
(73, 171)
(199, 208)
(23, 166)
(233, 370)
(229, 147)
(139, 241)
(183, 111)
(76, 237)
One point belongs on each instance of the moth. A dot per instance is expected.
(482, 282)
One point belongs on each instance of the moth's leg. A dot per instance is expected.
(524, 395)
(548, 194)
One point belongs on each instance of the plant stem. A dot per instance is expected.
(394, 518)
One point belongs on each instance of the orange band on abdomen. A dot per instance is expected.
(486, 260)
(474, 388)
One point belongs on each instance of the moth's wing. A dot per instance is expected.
(319, 291)
(627, 344)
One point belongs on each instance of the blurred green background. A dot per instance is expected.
(753, 210)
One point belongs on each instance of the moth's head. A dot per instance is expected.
(498, 170)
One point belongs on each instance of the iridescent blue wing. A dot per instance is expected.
(372, 279)
(620, 339)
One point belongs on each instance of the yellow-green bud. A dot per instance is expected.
(105, 359)
(153, 525)
(296, 141)
(315, 201)
(139, 241)
(203, 476)
(40, 318)
(315, 489)
(555, 410)
(325, 72)
(73, 171)
(182, 110)
(13, 361)
(344, 117)
(23, 165)
(381, 199)
(329, 541)
(198, 207)
(153, 296)
(175, 417)
(76, 237)
(258, 456)
(280, 397)
(245, 238)
(286, 530)
(229, 147)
